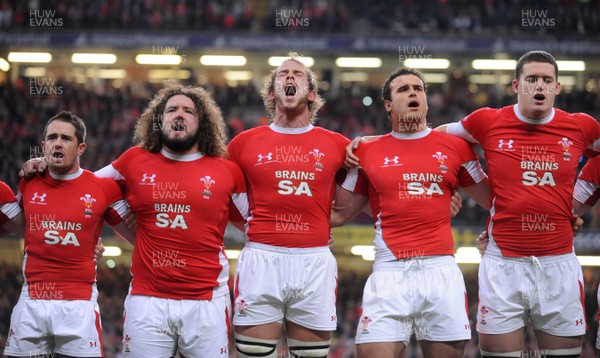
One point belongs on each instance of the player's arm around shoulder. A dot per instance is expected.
(239, 207)
(472, 178)
(117, 214)
(352, 160)
(351, 198)
(346, 206)
(11, 213)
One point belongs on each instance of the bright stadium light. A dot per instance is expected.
(358, 62)
(467, 255)
(213, 60)
(4, 65)
(589, 260)
(427, 63)
(490, 79)
(148, 59)
(276, 61)
(34, 57)
(435, 77)
(354, 76)
(367, 252)
(232, 254)
(238, 75)
(112, 251)
(34, 72)
(94, 58)
(482, 64)
(159, 75)
(571, 65)
(107, 73)
(567, 80)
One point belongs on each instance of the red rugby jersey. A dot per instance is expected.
(291, 178)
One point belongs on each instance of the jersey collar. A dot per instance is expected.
(411, 136)
(71, 176)
(284, 130)
(181, 157)
(524, 119)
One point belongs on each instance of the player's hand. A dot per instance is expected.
(455, 204)
(351, 159)
(98, 250)
(130, 220)
(33, 166)
(577, 224)
(331, 240)
(482, 242)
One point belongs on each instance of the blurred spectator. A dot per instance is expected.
(490, 17)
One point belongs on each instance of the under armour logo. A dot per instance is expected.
(41, 197)
(501, 143)
(93, 344)
(268, 157)
(146, 177)
(579, 322)
(387, 161)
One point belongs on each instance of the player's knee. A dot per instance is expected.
(514, 354)
(248, 347)
(308, 349)
(573, 352)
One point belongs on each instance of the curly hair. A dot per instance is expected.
(269, 86)
(212, 132)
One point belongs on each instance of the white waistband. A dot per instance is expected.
(532, 259)
(286, 250)
(423, 262)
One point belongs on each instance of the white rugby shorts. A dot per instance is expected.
(67, 327)
(158, 327)
(273, 284)
(425, 296)
(545, 292)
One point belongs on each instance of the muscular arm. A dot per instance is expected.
(346, 206)
(456, 129)
(580, 208)
(351, 159)
(125, 232)
(480, 192)
(16, 225)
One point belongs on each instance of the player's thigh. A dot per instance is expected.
(28, 335)
(502, 308)
(559, 308)
(441, 298)
(386, 314)
(146, 332)
(257, 301)
(77, 328)
(203, 327)
(271, 330)
(502, 343)
(380, 350)
(298, 332)
(452, 349)
(314, 305)
(550, 341)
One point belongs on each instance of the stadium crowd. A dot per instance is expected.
(491, 17)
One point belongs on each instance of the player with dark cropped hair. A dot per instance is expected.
(63, 211)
